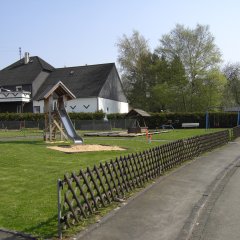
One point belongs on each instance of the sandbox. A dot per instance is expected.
(85, 148)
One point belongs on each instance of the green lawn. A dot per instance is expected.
(29, 173)
(20, 133)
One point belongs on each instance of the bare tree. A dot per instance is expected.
(134, 57)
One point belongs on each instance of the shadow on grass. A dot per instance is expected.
(43, 230)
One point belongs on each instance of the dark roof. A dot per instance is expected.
(19, 73)
(101, 80)
(82, 81)
(137, 113)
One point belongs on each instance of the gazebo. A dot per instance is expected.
(139, 124)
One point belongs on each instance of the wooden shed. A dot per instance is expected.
(139, 124)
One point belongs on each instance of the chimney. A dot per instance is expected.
(26, 58)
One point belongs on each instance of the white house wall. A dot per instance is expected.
(90, 105)
(111, 106)
(75, 105)
(82, 105)
(39, 104)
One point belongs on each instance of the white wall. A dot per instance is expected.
(82, 105)
(91, 105)
(111, 106)
(39, 103)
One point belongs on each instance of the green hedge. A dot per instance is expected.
(21, 116)
(87, 116)
(116, 116)
(39, 116)
(217, 119)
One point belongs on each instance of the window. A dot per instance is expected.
(36, 109)
(19, 108)
(18, 88)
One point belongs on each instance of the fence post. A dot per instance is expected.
(59, 187)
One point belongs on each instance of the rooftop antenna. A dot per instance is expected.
(20, 52)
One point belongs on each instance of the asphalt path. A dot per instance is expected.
(176, 207)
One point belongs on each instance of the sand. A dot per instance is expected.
(85, 148)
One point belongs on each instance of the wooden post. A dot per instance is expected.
(50, 120)
(46, 130)
(59, 188)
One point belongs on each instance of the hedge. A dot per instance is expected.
(217, 119)
(39, 116)
(21, 116)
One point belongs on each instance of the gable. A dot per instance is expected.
(112, 88)
(59, 89)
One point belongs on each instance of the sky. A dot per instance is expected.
(78, 32)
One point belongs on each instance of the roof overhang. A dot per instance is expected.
(137, 113)
(60, 90)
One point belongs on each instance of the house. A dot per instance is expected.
(24, 83)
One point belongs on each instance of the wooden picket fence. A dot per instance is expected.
(235, 132)
(84, 193)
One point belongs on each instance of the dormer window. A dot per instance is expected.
(18, 88)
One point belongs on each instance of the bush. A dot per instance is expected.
(116, 116)
(216, 119)
(87, 116)
(39, 116)
(21, 116)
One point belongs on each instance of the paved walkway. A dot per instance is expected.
(181, 205)
(5, 235)
(223, 221)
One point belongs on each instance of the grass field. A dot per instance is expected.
(29, 173)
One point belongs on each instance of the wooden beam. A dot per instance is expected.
(60, 129)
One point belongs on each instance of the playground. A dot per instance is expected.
(29, 172)
(33, 161)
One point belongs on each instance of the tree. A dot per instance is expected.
(209, 91)
(140, 70)
(134, 59)
(171, 93)
(196, 50)
(131, 51)
(179, 80)
(232, 90)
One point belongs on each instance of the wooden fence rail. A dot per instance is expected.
(84, 193)
(235, 132)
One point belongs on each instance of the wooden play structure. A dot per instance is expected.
(56, 117)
